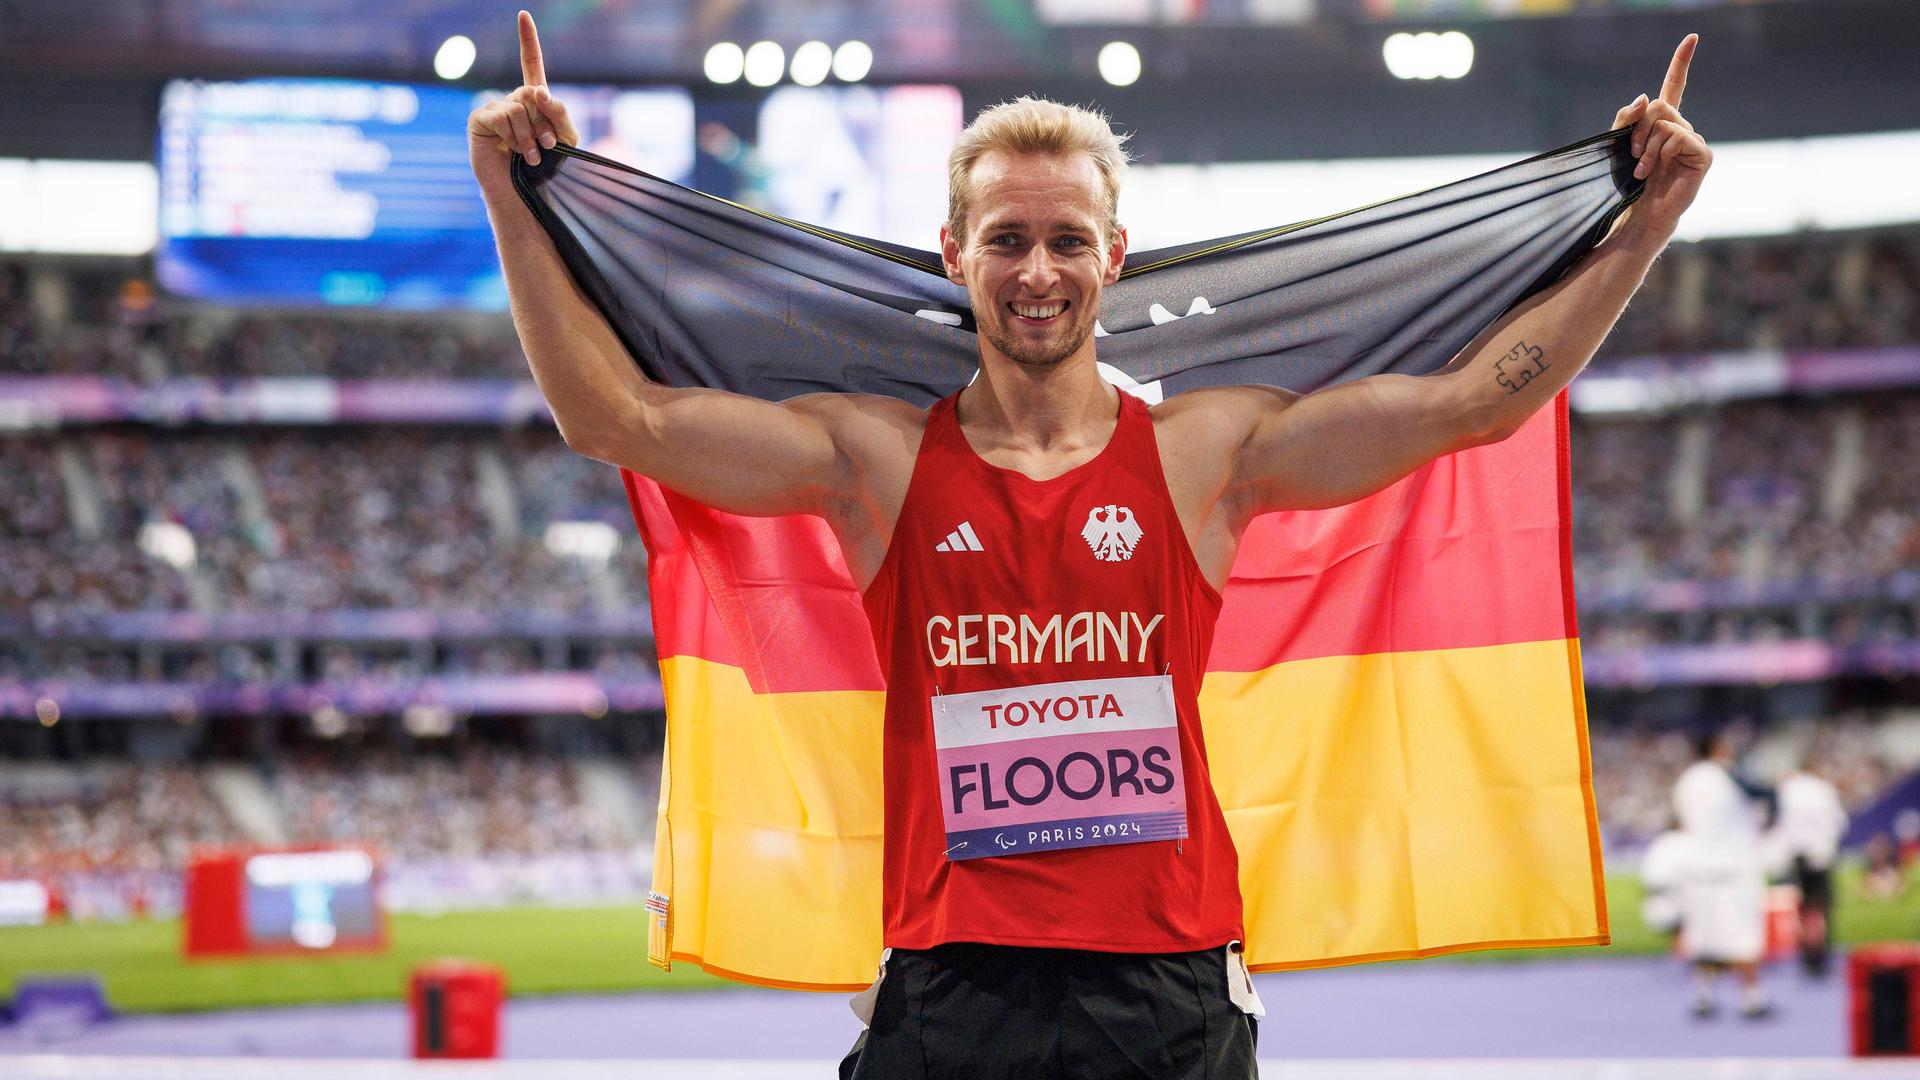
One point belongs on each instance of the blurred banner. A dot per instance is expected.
(524, 693)
(1174, 12)
(369, 624)
(1428, 10)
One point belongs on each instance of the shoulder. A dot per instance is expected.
(876, 407)
(1220, 413)
(871, 433)
(1204, 434)
(862, 415)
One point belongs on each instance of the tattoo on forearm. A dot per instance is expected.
(1517, 368)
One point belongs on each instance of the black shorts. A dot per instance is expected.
(992, 1011)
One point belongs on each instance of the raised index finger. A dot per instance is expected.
(533, 71)
(1676, 83)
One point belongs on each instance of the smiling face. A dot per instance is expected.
(1034, 256)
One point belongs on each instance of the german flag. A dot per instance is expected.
(1393, 709)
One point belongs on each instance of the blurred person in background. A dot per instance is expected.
(1127, 951)
(1808, 829)
(1906, 837)
(1883, 879)
(1723, 892)
(1663, 870)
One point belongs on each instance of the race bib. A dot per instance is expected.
(1060, 765)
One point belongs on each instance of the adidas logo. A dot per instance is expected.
(960, 539)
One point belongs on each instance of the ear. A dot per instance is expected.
(1116, 256)
(950, 256)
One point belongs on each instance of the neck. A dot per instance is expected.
(1040, 407)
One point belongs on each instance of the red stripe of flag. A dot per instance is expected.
(1468, 551)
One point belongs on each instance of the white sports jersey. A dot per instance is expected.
(1812, 821)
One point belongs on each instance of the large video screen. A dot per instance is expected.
(861, 159)
(317, 192)
(311, 899)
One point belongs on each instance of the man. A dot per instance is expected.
(1811, 824)
(1723, 892)
(1041, 559)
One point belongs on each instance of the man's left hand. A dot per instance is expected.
(1673, 158)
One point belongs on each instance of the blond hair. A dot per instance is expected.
(1031, 125)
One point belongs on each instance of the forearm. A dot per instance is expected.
(583, 371)
(1516, 366)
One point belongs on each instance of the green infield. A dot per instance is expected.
(1857, 921)
(544, 950)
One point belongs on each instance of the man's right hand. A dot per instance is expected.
(845, 457)
(524, 122)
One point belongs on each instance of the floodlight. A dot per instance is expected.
(766, 62)
(812, 62)
(455, 57)
(851, 61)
(725, 63)
(1119, 63)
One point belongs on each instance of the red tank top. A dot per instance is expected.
(1043, 641)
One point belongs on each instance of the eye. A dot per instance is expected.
(1004, 239)
(1076, 241)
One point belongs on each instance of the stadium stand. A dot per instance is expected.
(490, 823)
(357, 549)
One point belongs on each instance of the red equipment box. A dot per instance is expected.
(455, 1006)
(1884, 988)
(1783, 921)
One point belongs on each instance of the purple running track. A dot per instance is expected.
(1587, 1008)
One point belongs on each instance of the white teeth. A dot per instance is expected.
(1035, 312)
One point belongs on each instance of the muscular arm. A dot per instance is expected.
(1340, 444)
(729, 451)
(1345, 442)
(732, 452)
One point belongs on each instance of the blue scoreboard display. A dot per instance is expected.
(314, 192)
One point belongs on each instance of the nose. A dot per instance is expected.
(1037, 271)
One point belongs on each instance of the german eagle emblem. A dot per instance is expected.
(1111, 532)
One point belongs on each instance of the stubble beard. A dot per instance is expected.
(1041, 356)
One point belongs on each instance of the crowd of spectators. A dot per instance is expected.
(483, 802)
(111, 838)
(44, 556)
(390, 518)
(365, 346)
(67, 320)
(1809, 290)
(1809, 508)
(105, 819)
(308, 521)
